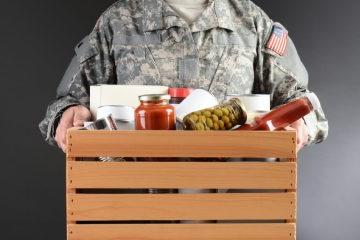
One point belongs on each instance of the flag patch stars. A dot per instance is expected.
(278, 40)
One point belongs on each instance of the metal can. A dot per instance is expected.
(107, 123)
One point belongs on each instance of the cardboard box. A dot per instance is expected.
(128, 95)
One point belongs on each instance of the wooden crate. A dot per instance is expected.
(266, 209)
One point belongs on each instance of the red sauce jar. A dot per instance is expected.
(155, 113)
(286, 114)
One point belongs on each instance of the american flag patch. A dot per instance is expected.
(278, 40)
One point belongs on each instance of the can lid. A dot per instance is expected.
(154, 97)
(180, 92)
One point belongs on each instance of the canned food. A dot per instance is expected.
(107, 123)
(253, 102)
(221, 117)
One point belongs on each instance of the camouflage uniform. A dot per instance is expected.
(224, 51)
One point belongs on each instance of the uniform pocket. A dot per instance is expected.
(234, 73)
(210, 58)
(135, 66)
(242, 72)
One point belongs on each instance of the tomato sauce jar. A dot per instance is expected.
(155, 113)
(284, 115)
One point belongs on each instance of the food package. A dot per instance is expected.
(197, 100)
(126, 95)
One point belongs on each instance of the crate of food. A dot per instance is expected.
(254, 199)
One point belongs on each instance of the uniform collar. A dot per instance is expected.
(224, 15)
(158, 15)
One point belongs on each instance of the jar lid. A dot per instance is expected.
(154, 97)
(243, 113)
(180, 92)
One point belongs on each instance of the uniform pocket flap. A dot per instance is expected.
(85, 50)
(152, 38)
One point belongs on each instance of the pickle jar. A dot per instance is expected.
(222, 117)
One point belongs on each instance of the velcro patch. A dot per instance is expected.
(278, 39)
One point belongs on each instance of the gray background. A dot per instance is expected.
(37, 38)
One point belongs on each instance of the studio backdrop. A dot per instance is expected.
(37, 41)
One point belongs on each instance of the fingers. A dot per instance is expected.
(304, 138)
(65, 123)
(289, 128)
(72, 117)
(257, 119)
(302, 133)
(299, 140)
(82, 114)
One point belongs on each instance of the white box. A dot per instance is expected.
(128, 95)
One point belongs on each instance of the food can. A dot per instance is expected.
(253, 102)
(107, 123)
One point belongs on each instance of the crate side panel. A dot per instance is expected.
(223, 144)
(234, 206)
(265, 231)
(208, 175)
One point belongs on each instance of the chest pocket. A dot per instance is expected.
(226, 70)
(134, 62)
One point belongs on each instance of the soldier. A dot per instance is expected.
(223, 46)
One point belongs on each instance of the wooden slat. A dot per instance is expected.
(181, 144)
(68, 192)
(236, 206)
(293, 191)
(183, 232)
(218, 175)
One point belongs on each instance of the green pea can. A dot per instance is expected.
(225, 116)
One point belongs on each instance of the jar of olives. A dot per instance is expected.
(222, 117)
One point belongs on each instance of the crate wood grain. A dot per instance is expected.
(183, 231)
(268, 196)
(235, 206)
(222, 144)
(208, 175)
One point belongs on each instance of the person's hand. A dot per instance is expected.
(302, 133)
(73, 117)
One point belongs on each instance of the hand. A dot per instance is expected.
(302, 133)
(73, 117)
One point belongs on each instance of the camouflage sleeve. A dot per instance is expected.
(91, 65)
(284, 77)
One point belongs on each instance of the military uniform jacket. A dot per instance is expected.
(144, 42)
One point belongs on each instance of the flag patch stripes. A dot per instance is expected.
(278, 40)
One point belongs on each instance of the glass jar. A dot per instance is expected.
(155, 113)
(221, 117)
(284, 115)
(178, 95)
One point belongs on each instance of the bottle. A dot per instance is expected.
(155, 113)
(178, 95)
(221, 117)
(285, 115)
